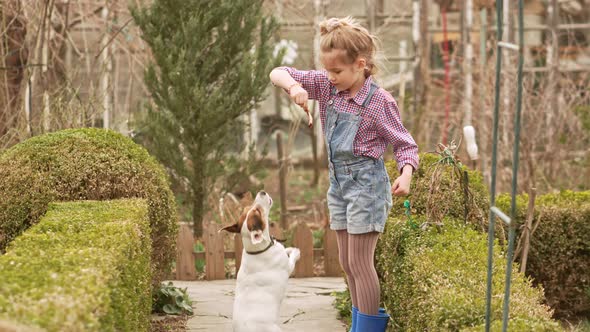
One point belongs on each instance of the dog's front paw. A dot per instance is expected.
(293, 253)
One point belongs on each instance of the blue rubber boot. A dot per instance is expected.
(353, 314)
(369, 323)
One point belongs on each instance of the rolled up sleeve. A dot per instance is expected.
(392, 129)
(313, 81)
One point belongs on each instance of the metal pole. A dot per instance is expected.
(499, 25)
(515, 159)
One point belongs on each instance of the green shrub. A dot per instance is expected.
(343, 305)
(84, 267)
(518, 324)
(85, 164)
(172, 300)
(435, 280)
(559, 254)
(436, 191)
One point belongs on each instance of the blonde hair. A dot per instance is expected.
(348, 35)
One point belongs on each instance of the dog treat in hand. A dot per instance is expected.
(309, 117)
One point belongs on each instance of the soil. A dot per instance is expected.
(168, 323)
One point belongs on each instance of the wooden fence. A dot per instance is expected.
(215, 253)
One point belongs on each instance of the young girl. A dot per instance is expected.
(358, 120)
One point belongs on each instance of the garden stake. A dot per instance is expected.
(494, 211)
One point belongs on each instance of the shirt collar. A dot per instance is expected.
(363, 93)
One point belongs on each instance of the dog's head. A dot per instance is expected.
(253, 223)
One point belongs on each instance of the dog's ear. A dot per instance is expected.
(235, 228)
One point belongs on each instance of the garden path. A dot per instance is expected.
(307, 305)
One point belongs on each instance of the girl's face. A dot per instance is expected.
(343, 75)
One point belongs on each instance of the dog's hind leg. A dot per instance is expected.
(294, 255)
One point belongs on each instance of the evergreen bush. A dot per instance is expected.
(211, 61)
(437, 191)
(83, 267)
(85, 164)
(435, 280)
(559, 252)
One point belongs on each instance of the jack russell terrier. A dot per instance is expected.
(266, 266)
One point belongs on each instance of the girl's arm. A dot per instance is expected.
(301, 85)
(404, 147)
(282, 79)
(298, 94)
(315, 82)
(391, 128)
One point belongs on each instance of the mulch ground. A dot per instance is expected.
(168, 323)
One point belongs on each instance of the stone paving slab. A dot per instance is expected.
(307, 306)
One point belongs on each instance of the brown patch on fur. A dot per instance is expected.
(255, 221)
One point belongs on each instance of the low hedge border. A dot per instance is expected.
(84, 267)
(86, 164)
(559, 254)
(429, 283)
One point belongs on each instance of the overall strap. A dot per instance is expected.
(372, 90)
(333, 91)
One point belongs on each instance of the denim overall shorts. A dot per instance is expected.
(359, 197)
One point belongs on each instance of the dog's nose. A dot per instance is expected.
(262, 192)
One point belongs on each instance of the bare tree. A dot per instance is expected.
(57, 53)
(13, 31)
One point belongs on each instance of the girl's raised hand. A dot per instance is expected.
(299, 96)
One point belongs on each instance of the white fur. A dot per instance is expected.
(262, 279)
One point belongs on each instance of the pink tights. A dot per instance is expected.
(356, 253)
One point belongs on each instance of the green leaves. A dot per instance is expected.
(84, 267)
(435, 280)
(559, 254)
(211, 65)
(438, 190)
(85, 164)
(172, 300)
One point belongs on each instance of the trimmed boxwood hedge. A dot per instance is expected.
(559, 254)
(85, 164)
(444, 197)
(84, 267)
(435, 280)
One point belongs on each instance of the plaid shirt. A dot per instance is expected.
(380, 125)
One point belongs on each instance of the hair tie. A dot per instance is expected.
(332, 24)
